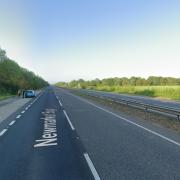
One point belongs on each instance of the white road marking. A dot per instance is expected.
(26, 108)
(91, 166)
(122, 118)
(57, 98)
(10, 124)
(17, 117)
(2, 132)
(71, 125)
(60, 103)
(49, 136)
(22, 112)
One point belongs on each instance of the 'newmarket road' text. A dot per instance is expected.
(49, 136)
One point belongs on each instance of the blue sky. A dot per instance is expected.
(63, 40)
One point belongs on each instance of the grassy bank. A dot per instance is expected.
(2, 97)
(170, 92)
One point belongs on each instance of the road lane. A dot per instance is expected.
(48, 139)
(22, 159)
(119, 149)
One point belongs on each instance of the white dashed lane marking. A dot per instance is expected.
(91, 166)
(60, 103)
(2, 132)
(17, 117)
(10, 124)
(86, 156)
(69, 121)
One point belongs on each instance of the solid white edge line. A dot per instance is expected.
(10, 124)
(2, 132)
(91, 166)
(72, 127)
(122, 118)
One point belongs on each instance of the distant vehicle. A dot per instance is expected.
(29, 94)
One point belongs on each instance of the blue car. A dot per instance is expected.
(29, 94)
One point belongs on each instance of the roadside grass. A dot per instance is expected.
(2, 97)
(169, 92)
(166, 92)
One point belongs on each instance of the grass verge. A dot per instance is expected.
(169, 92)
(2, 97)
(164, 92)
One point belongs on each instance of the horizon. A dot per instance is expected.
(114, 78)
(67, 40)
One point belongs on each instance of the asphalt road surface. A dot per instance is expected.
(40, 144)
(59, 136)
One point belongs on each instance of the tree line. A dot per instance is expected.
(13, 77)
(124, 81)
